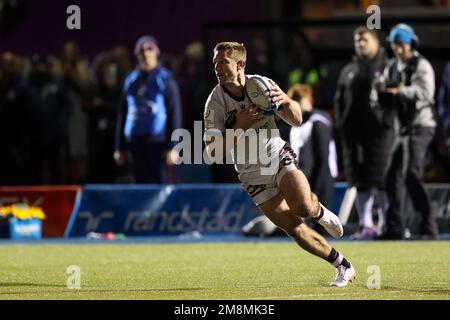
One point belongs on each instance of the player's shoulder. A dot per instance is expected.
(321, 117)
(163, 72)
(349, 67)
(133, 74)
(131, 77)
(216, 95)
(423, 64)
(348, 72)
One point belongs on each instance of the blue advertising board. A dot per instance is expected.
(141, 210)
(144, 210)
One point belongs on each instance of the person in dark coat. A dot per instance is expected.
(21, 126)
(102, 112)
(365, 131)
(314, 144)
(55, 108)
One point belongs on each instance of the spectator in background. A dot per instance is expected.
(194, 88)
(55, 109)
(75, 68)
(298, 66)
(77, 80)
(123, 60)
(314, 144)
(408, 87)
(121, 57)
(20, 128)
(102, 114)
(365, 132)
(304, 68)
(258, 49)
(149, 112)
(295, 63)
(443, 111)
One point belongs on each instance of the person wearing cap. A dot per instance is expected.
(408, 86)
(149, 112)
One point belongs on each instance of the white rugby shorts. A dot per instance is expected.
(262, 188)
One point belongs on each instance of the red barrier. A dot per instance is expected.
(56, 201)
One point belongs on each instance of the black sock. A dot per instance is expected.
(345, 263)
(334, 256)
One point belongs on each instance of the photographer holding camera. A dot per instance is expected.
(408, 88)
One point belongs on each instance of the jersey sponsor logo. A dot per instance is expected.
(209, 119)
(287, 156)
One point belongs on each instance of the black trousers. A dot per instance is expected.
(148, 160)
(405, 175)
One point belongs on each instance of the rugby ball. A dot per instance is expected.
(257, 90)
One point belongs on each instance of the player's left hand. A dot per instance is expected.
(278, 96)
(246, 117)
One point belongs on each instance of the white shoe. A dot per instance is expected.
(331, 223)
(343, 276)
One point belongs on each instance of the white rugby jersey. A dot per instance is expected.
(220, 103)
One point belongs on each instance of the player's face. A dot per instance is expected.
(148, 59)
(366, 45)
(225, 67)
(401, 50)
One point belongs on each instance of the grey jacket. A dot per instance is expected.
(416, 89)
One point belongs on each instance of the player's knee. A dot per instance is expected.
(312, 209)
(306, 210)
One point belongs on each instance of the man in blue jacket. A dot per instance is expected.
(150, 110)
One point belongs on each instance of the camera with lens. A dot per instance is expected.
(385, 99)
(381, 84)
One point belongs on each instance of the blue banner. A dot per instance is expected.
(143, 210)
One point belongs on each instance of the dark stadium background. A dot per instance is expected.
(41, 24)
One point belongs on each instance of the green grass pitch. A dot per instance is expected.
(260, 270)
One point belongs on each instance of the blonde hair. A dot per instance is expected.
(238, 51)
(299, 91)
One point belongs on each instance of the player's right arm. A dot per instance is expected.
(289, 110)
